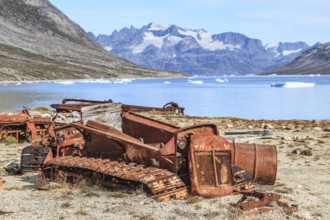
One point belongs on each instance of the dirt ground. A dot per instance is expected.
(301, 180)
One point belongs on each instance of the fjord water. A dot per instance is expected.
(245, 97)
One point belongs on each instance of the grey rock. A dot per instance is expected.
(13, 168)
(301, 151)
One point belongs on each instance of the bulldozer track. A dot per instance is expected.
(163, 184)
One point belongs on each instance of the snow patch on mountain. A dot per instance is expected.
(289, 52)
(148, 39)
(205, 40)
(280, 50)
(273, 45)
(173, 40)
(108, 48)
(158, 27)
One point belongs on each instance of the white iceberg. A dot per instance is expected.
(220, 80)
(101, 81)
(195, 81)
(65, 82)
(167, 82)
(122, 81)
(292, 85)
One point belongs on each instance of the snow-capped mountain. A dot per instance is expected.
(286, 51)
(315, 60)
(197, 52)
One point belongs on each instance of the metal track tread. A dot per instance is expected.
(163, 184)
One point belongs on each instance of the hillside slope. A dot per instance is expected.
(316, 60)
(38, 42)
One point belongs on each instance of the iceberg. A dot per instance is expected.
(292, 85)
(222, 80)
(65, 82)
(219, 80)
(195, 81)
(167, 82)
(101, 81)
(122, 81)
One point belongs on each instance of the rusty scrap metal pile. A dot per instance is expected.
(112, 145)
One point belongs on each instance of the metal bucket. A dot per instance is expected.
(259, 161)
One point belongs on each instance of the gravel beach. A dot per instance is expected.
(301, 180)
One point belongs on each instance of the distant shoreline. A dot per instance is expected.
(87, 80)
(145, 78)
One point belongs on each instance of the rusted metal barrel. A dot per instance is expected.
(259, 161)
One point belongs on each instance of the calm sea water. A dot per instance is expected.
(246, 97)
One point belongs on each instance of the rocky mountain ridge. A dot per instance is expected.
(197, 52)
(39, 42)
(316, 60)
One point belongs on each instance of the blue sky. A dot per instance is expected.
(267, 20)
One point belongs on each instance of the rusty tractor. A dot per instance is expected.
(81, 110)
(23, 126)
(123, 148)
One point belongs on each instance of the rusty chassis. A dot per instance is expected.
(112, 144)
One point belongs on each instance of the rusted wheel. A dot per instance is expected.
(173, 107)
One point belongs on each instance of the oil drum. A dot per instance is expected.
(259, 161)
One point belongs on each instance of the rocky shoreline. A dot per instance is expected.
(302, 179)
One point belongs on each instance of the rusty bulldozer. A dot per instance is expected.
(112, 145)
(23, 126)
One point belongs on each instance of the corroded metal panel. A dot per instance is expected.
(260, 161)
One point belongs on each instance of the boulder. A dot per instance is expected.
(13, 168)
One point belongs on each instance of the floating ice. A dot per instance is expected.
(65, 82)
(122, 81)
(101, 81)
(220, 80)
(167, 82)
(292, 85)
(195, 81)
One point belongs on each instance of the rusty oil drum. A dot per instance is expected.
(260, 161)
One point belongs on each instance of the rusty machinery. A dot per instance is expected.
(169, 161)
(127, 148)
(23, 126)
(33, 156)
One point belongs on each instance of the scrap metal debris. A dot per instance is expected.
(113, 145)
(23, 125)
(264, 132)
(13, 168)
(301, 151)
(5, 212)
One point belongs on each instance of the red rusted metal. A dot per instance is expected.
(168, 107)
(23, 123)
(261, 200)
(155, 144)
(173, 107)
(260, 161)
(264, 199)
(165, 158)
(77, 104)
(210, 166)
(149, 131)
(86, 101)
